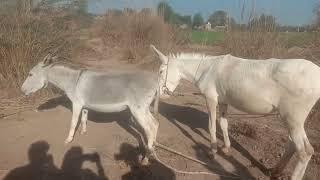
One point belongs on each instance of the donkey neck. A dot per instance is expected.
(63, 77)
(193, 70)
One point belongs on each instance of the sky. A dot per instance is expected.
(287, 12)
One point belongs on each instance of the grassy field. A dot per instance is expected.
(206, 37)
(300, 39)
(291, 38)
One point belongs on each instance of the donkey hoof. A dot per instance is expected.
(226, 151)
(213, 154)
(214, 150)
(275, 174)
(68, 140)
(143, 160)
(82, 132)
(281, 176)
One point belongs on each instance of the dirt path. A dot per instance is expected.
(257, 141)
(107, 135)
(183, 126)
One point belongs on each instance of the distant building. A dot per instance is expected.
(183, 26)
(219, 28)
(208, 26)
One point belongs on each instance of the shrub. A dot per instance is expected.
(26, 38)
(135, 31)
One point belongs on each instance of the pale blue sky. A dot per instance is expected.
(289, 12)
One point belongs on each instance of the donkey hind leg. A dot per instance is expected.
(212, 107)
(224, 127)
(76, 109)
(295, 118)
(84, 118)
(303, 148)
(139, 136)
(148, 125)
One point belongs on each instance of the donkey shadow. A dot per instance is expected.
(122, 118)
(128, 153)
(153, 171)
(196, 119)
(189, 116)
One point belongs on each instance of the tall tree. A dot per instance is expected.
(80, 6)
(218, 18)
(165, 10)
(185, 20)
(197, 20)
(316, 11)
(264, 22)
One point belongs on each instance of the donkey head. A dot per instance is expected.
(169, 72)
(37, 76)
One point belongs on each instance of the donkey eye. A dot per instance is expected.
(29, 74)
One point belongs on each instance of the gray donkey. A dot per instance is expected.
(111, 91)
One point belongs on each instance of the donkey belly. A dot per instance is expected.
(108, 108)
(106, 102)
(257, 107)
(261, 102)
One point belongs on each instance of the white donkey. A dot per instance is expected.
(110, 91)
(289, 86)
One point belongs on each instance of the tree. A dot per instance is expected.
(165, 10)
(26, 6)
(184, 20)
(81, 6)
(316, 11)
(197, 20)
(264, 22)
(218, 18)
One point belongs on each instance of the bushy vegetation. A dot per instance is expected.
(29, 31)
(26, 37)
(134, 31)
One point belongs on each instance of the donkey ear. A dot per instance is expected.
(162, 57)
(54, 58)
(48, 59)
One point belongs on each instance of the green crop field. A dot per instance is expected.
(298, 38)
(206, 37)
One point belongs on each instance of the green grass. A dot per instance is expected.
(206, 37)
(299, 39)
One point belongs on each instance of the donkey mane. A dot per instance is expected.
(192, 56)
(73, 66)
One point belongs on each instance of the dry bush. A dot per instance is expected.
(312, 50)
(133, 32)
(254, 44)
(25, 38)
(258, 39)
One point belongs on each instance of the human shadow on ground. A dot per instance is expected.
(122, 118)
(41, 165)
(153, 171)
(196, 119)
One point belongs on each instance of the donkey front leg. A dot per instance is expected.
(212, 109)
(76, 109)
(223, 108)
(84, 118)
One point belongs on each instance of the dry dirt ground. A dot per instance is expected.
(32, 143)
